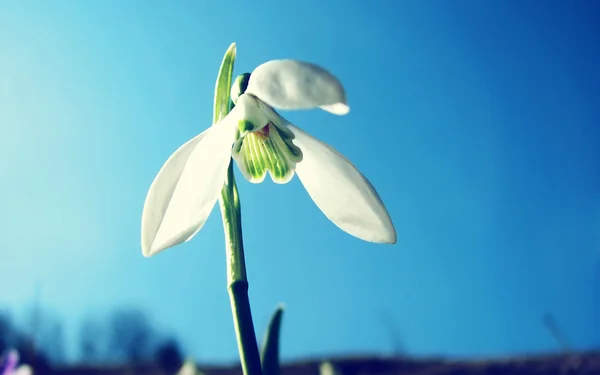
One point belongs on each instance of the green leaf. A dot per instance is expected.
(223, 85)
(270, 349)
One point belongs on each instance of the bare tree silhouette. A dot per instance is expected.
(169, 356)
(130, 335)
(91, 340)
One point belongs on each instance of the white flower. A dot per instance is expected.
(10, 365)
(188, 185)
(189, 368)
(23, 370)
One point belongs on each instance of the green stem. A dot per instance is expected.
(237, 281)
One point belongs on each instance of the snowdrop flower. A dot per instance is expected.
(327, 368)
(9, 365)
(189, 368)
(261, 141)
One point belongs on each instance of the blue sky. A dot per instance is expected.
(476, 121)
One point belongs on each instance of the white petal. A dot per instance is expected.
(23, 370)
(186, 188)
(250, 109)
(341, 192)
(291, 84)
(188, 368)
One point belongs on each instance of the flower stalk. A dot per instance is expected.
(237, 280)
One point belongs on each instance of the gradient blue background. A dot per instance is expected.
(477, 121)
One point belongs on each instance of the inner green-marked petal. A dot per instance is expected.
(265, 150)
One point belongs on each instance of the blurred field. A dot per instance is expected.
(126, 342)
(584, 363)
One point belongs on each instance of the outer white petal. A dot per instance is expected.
(341, 192)
(292, 84)
(186, 188)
